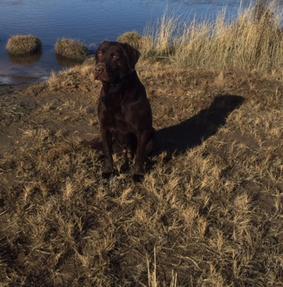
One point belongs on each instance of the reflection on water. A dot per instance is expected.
(88, 20)
(25, 60)
(65, 62)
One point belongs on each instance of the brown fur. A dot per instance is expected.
(124, 111)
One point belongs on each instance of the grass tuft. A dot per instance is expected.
(132, 38)
(20, 45)
(71, 49)
(254, 41)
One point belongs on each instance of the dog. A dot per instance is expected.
(124, 111)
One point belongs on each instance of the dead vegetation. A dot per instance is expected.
(71, 49)
(20, 45)
(254, 41)
(209, 214)
(132, 38)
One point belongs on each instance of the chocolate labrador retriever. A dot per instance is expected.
(124, 111)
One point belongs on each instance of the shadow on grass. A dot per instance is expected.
(192, 132)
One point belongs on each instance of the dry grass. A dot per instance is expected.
(71, 49)
(254, 41)
(209, 211)
(208, 215)
(23, 45)
(132, 38)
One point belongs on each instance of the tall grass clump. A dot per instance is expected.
(22, 45)
(132, 38)
(71, 49)
(159, 39)
(254, 41)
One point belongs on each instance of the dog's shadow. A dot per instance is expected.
(192, 132)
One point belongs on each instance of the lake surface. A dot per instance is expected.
(91, 21)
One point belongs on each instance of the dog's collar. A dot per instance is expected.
(111, 88)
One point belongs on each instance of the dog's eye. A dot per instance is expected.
(115, 57)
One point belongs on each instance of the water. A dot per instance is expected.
(91, 21)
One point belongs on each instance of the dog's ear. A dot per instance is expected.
(132, 54)
(100, 50)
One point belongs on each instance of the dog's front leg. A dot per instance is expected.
(143, 138)
(107, 149)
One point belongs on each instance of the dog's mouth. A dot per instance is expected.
(109, 75)
(105, 77)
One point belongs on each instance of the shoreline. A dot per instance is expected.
(6, 88)
(253, 42)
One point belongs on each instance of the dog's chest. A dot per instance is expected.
(114, 119)
(119, 123)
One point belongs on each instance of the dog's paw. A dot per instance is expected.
(138, 177)
(125, 167)
(107, 175)
(107, 172)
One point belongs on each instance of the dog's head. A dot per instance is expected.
(114, 61)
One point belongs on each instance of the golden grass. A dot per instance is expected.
(20, 45)
(208, 215)
(254, 41)
(132, 38)
(209, 211)
(71, 49)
